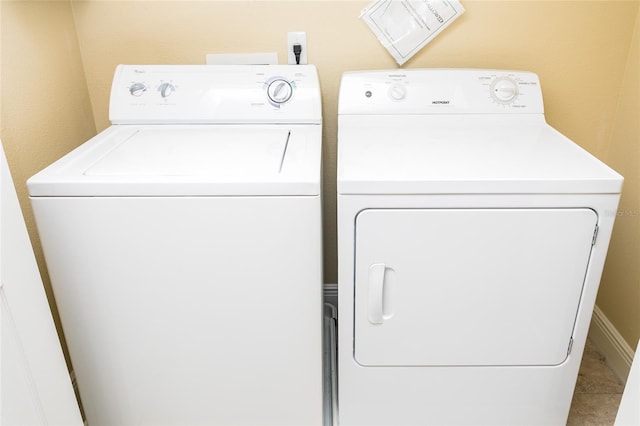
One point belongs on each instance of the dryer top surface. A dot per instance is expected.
(455, 154)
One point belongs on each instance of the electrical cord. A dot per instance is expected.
(297, 49)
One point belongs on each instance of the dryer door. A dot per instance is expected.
(474, 287)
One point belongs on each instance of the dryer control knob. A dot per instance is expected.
(397, 92)
(504, 90)
(279, 91)
(137, 89)
(166, 89)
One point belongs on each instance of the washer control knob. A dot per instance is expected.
(166, 89)
(279, 91)
(397, 92)
(504, 90)
(137, 89)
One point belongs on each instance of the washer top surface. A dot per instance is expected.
(221, 152)
(196, 130)
(186, 160)
(445, 132)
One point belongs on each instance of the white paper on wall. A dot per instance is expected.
(406, 26)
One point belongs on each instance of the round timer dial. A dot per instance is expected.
(504, 90)
(279, 91)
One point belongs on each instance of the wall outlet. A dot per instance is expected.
(293, 38)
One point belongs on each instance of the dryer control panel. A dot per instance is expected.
(440, 91)
(151, 94)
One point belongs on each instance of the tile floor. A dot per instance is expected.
(597, 394)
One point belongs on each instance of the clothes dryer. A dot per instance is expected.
(471, 238)
(185, 252)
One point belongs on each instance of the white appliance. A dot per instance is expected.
(35, 387)
(184, 248)
(471, 238)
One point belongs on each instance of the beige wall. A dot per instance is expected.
(45, 109)
(580, 49)
(619, 296)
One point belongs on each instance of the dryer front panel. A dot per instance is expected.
(469, 287)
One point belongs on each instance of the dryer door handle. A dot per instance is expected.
(376, 292)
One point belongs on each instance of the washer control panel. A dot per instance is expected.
(435, 91)
(215, 94)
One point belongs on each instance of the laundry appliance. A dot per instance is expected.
(471, 239)
(184, 248)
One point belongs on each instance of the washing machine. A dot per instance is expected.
(471, 239)
(184, 248)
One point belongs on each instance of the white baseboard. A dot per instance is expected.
(609, 341)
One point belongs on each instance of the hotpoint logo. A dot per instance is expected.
(440, 102)
(435, 12)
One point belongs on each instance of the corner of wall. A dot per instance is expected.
(619, 296)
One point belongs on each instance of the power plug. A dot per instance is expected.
(297, 48)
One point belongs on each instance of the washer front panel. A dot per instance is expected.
(190, 310)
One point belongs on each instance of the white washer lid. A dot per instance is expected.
(179, 160)
(222, 153)
(464, 154)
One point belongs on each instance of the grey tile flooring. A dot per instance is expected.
(598, 392)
